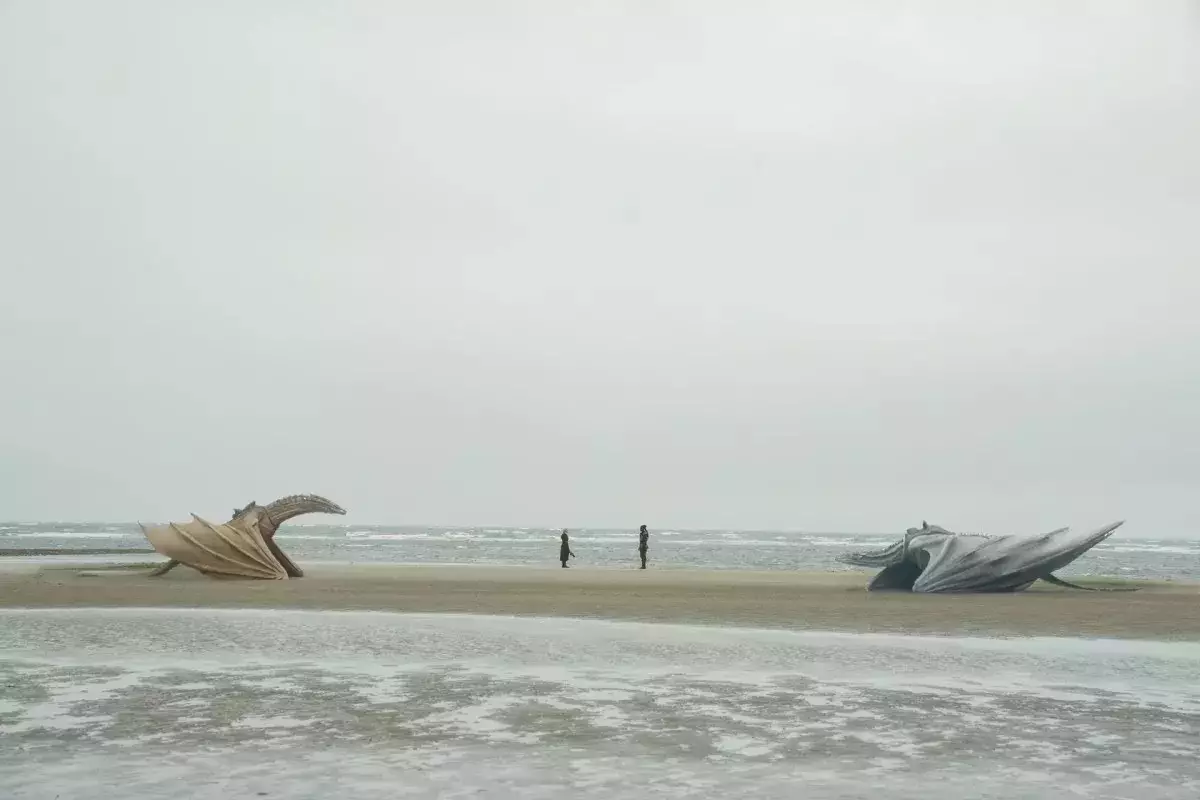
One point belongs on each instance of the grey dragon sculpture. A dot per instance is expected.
(933, 559)
(243, 547)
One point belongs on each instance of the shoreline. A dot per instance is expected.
(23, 552)
(769, 599)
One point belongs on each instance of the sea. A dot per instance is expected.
(147, 703)
(1152, 559)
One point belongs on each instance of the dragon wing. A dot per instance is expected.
(1001, 564)
(233, 550)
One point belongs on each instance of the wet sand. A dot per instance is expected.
(835, 601)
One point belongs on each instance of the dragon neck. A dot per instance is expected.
(287, 508)
(272, 515)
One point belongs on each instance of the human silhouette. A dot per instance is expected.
(643, 544)
(564, 550)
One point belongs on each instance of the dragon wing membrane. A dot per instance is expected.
(1002, 564)
(232, 550)
(244, 547)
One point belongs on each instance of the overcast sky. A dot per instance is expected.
(824, 266)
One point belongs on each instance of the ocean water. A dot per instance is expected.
(1158, 559)
(150, 703)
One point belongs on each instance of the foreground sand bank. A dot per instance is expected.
(817, 601)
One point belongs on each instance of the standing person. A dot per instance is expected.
(564, 550)
(643, 544)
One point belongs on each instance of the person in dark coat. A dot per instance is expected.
(564, 549)
(643, 544)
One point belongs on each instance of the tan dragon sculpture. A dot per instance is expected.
(244, 547)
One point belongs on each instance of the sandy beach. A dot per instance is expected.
(548, 683)
(835, 601)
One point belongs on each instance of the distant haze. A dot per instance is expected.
(825, 266)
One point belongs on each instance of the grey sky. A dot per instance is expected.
(835, 266)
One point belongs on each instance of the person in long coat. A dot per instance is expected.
(564, 550)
